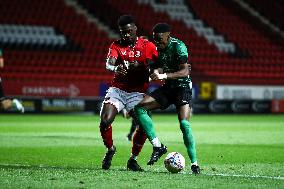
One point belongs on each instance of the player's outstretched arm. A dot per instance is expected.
(183, 72)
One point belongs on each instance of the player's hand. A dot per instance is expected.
(157, 76)
(120, 70)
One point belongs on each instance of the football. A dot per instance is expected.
(174, 162)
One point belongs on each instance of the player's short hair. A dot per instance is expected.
(161, 28)
(125, 19)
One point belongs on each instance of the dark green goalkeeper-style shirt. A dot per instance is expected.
(170, 59)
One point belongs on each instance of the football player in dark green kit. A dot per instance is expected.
(175, 69)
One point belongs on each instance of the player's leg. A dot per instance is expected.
(133, 127)
(145, 121)
(137, 145)
(139, 139)
(133, 124)
(183, 109)
(188, 137)
(143, 118)
(110, 108)
(139, 136)
(16, 104)
(6, 104)
(108, 114)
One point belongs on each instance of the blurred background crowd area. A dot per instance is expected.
(55, 51)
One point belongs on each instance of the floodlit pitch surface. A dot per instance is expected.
(65, 151)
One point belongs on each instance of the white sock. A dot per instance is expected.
(156, 142)
(194, 163)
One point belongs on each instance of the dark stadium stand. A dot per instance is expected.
(47, 41)
(273, 10)
(259, 56)
(78, 62)
(264, 56)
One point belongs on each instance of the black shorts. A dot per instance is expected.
(167, 96)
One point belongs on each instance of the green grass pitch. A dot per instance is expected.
(65, 151)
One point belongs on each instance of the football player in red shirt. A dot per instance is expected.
(129, 58)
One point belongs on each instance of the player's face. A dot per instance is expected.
(128, 33)
(161, 39)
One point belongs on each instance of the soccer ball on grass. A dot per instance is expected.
(174, 162)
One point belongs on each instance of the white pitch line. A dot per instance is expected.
(230, 175)
(245, 176)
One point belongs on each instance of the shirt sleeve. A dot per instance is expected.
(112, 51)
(182, 53)
(151, 52)
(152, 56)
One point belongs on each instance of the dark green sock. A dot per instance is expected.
(145, 122)
(188, 140)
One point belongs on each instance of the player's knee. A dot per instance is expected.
(106, 121)
(139, 110)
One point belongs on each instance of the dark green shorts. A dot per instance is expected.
(167, 96)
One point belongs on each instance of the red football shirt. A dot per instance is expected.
(137, 78)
